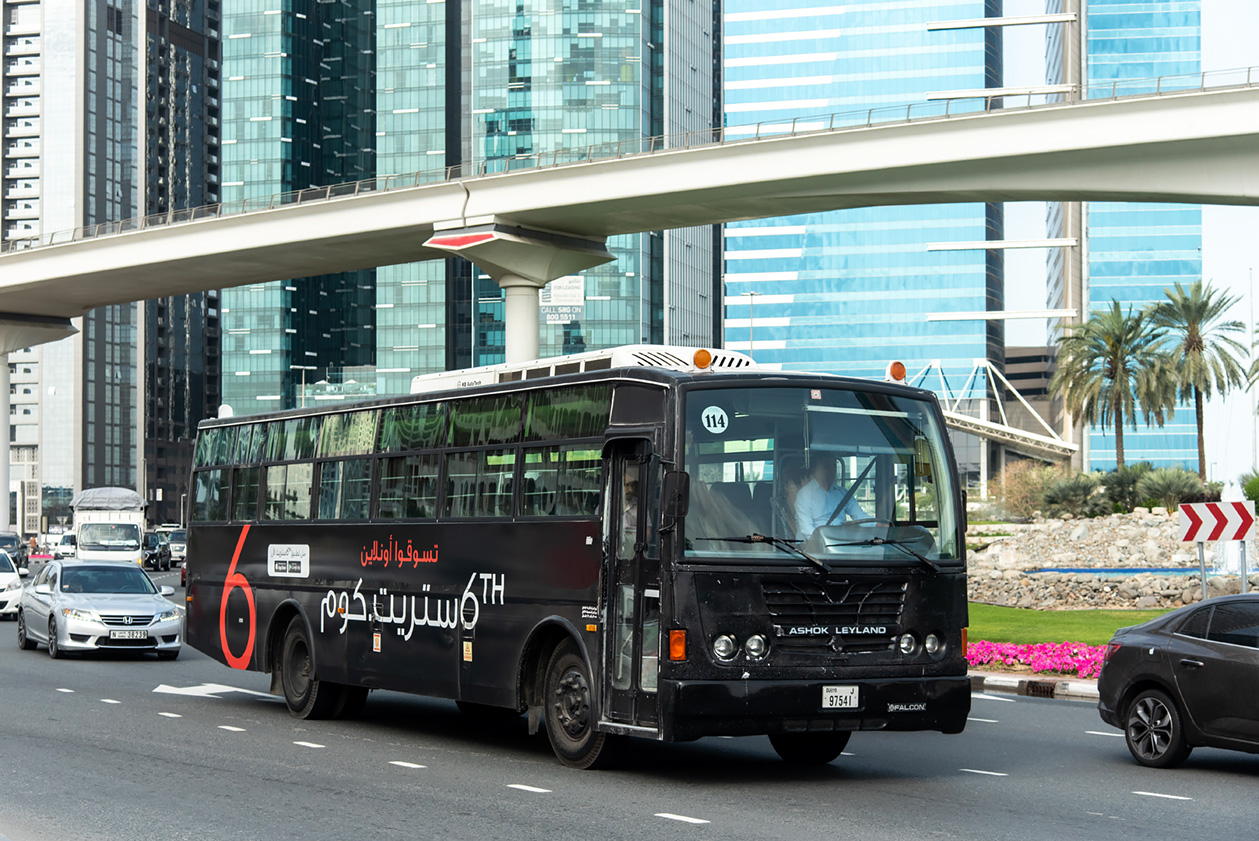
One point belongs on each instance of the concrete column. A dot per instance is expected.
(5, 456)
(520, 316)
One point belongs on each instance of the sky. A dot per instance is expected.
(1230, 235)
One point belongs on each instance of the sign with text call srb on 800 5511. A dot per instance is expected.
(1206, 521)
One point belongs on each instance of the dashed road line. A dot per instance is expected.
(67, 691)
(171, 715)
(984, 720)
(533, 789)
(1164, 796)
(1103, 733)
(109, 701)
(985, 773)
(229, 728)
(683, 818)
(308, 745)
(402, 764)
(846, 753)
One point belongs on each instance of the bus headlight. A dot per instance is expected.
(932, 644)
(907, 644)
(724, 647)
(755, 647)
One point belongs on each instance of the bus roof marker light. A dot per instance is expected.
(677, 645)
(702, 358)
(895, 372)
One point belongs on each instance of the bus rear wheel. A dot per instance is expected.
(569, 713)
(306, 696)
(809, 748)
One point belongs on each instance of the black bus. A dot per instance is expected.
(616, 551)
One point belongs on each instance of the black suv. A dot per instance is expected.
(156, 550)
(12, 543)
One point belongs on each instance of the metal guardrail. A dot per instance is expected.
(1246, 77)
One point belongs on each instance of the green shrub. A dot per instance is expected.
(1023, 486)
(1170, 486)
(1251, 490)
(1121, 484)
(1076, 495)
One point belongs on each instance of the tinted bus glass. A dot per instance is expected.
(408, 486)
(486, 420)
(349, 434)
(345, 489)
(412, 428)
(210, 495)
(575, 412)
(292, 439)
(250, 443)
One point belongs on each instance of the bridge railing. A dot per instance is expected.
(935, 109)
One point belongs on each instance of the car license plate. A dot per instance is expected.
(128, 635)
(839, 697)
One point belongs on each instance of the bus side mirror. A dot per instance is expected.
(676, 494)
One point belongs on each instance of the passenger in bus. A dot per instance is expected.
(793, 477)
(629, 516)
(818, 499)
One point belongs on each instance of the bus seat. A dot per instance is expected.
(736, 495)
(762, 509)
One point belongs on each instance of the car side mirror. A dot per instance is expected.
(43, 589)
(167, 591)
(22, 572)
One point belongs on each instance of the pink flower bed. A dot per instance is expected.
(1058, 657)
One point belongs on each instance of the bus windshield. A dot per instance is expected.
(835, 476)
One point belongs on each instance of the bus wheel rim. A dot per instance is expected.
(572, 703)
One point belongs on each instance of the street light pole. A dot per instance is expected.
(751, 296)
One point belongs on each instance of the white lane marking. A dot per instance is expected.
(1166, 796)
(846, 753)
(529, 788)
(171, 715)
(682, 818)
(985, 773)
(308, 744)
(1102, 733)
(109, 701)
(231, 729)
(985, 697)
(206, 690)
(67, 691)
(984, 720)
(402, 764)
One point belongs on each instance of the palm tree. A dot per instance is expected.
(1110, 367)
(1202, 349)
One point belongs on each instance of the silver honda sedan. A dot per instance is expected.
(106, 605)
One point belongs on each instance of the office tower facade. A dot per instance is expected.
(442, 88)
(849, 291)
(1134, 251)
(101, 124)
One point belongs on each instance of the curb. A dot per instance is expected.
(1034, 687)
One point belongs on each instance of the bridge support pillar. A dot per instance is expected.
(521, 261)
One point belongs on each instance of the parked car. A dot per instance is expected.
(156, 550)
(11, 576)
(12, 543)
(1188, 678)
(178, 544)
(66, 546)
(89, 606)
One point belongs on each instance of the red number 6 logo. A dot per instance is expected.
(234, 580)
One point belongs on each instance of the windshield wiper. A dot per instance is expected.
(780, 542)
(899, 544)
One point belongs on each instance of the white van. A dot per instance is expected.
(65, 546)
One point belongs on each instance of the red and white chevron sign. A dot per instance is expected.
(1203, 521)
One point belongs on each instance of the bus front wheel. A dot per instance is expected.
(570, 717)
(306, 696)
(809, 748)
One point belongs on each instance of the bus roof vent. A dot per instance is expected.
(670, 357)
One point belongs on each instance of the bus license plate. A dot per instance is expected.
(839, 697)
(128, 635)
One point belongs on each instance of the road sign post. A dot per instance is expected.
(1203, 521)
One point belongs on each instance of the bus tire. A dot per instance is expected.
(569, 713)
(306, 696)
(809, 748)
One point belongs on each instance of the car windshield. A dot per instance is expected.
(119, 579)
(178, 536)
(6, 563)
(109, 536)
(9, 541)
(845, 476)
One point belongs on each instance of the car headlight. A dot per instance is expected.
(83, 615)
(15, 584)
(168, 615)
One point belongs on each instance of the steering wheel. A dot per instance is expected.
(876, 520)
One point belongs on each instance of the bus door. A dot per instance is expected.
(632, 638)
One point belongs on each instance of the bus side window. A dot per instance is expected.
(245, 493)
(541, 481)
(495, 482)
(461, 470)
(408, 487)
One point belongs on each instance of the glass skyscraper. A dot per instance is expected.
(1136, 251)
(354, 89)
(849, 291)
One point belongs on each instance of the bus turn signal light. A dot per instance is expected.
(677, 646)
(702, 358)
(895, 372)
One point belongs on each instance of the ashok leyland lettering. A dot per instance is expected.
(643, 545)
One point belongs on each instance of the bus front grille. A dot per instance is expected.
(841, 617)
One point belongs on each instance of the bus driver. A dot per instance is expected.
(820, 496)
